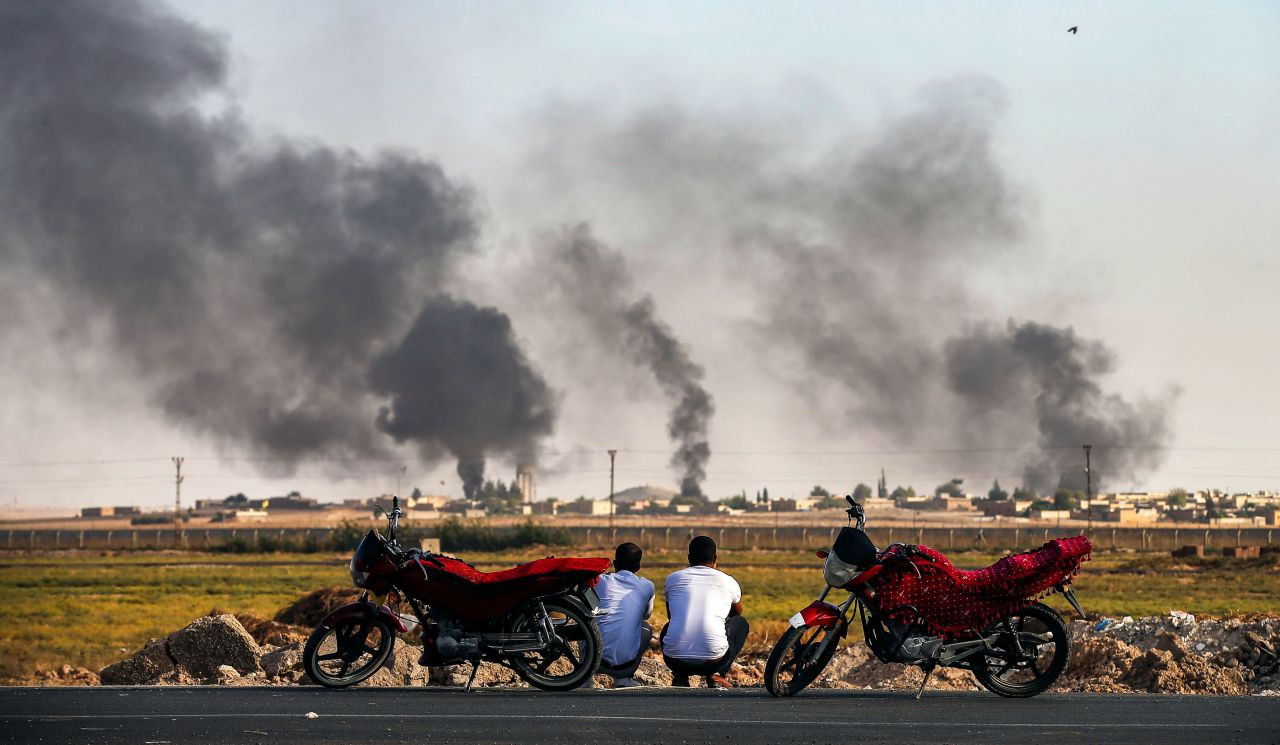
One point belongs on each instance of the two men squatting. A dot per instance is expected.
(706, 631)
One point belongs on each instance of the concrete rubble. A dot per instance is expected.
(1176, 653)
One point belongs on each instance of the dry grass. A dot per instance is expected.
(90, 609)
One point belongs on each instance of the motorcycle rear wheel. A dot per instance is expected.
(567, 663)
(347, 653)
(1043, 636)
(797, 660)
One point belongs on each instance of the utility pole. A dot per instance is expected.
(177, 501)
(1088, 483)
(612, 455)
(399, 472)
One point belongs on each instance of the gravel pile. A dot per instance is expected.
(1177, 653)
(1234, 655)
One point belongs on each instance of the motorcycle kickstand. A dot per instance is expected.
(928, 670)
(475, 668)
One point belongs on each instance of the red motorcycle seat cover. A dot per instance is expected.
(591, 567)
(950, 600)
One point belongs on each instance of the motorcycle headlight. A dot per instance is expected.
(358, 575)
(836, 572)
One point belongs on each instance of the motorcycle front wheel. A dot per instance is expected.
(348, 652)
(574, 653)
(1034, 648)
(799, 658)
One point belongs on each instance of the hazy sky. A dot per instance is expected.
(1143, 148)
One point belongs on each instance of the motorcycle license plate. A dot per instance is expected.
(593, 600)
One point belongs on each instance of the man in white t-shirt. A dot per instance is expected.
(626, 601)
(707, 630)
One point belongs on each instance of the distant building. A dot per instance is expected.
(1005, 507)
(116, 511)
(587, 507)
(524, 481)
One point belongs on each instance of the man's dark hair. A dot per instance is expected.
(627, 556)
(702, 550)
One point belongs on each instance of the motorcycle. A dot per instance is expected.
(918, 609)
(537, 618)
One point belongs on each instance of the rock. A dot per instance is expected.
(402, 670)
(212, 641)
(283, 662)
(653, 672)
(145, 667)
(489, 675)
(66, 675)
(308, 610)
(225, 675)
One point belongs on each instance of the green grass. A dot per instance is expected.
(84, 609)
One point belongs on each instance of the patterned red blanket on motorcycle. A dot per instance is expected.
(588, 567)
(948, 600)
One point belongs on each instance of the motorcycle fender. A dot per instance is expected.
(819, 613)
(357, 610)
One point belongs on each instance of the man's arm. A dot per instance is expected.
(735, 608)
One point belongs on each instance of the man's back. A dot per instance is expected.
(698, 600)
(625, 601)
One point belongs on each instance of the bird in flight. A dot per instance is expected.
(1073, 29)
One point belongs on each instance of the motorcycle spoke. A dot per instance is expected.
(330, 656)
(343, 670)
(572, 633)
(371, 650)
(568, 651)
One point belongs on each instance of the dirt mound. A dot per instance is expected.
(266, 632)
(855, 666)
(193, 654)
(67, 675)
(1171, 667)
(310, 609)
(1097, 665)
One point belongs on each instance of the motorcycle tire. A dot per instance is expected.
(1024, 678)
(319, 655)
(796, 641)
(575, 625)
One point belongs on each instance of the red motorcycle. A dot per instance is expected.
(537, 618)
(918, 609)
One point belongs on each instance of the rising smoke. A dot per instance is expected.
(596, 283)
(865, 263)
(296, 300)
(460, 380)
(1047, 375)
(249, 283)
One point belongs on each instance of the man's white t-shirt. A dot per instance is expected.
(698, 600)
(625, 601)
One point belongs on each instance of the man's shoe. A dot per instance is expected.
(718, 681)
(625, 683)
(679, 681)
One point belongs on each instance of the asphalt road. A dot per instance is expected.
(159, 716)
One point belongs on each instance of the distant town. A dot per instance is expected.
(947, 502)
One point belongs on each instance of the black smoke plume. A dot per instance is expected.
(596, 282)
(1049, 376)
(249, 282)
(459, 379)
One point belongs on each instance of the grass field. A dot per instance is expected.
(91, 610)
